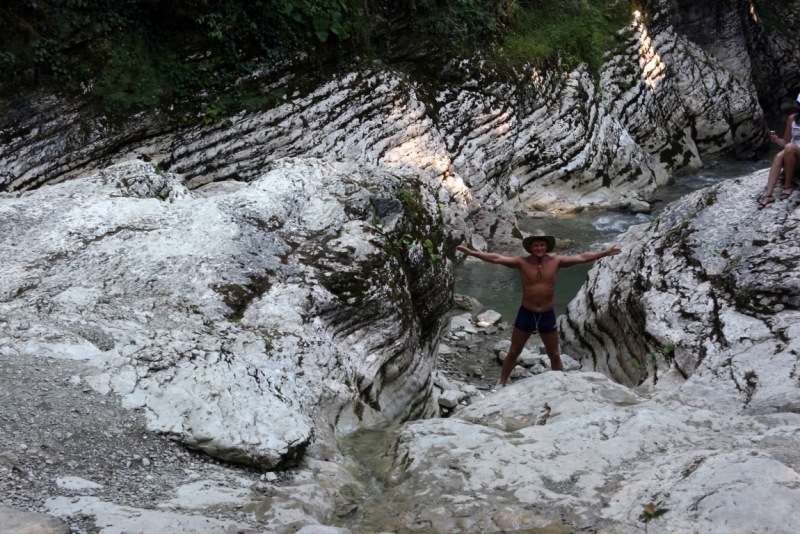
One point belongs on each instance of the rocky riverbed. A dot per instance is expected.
(557, 452)
(247, 326)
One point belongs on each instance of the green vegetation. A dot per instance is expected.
(205, 60)
(405, 243)
(429, 247)
(651, 511)
(575, 31)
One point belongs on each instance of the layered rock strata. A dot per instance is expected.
(753, 40)
(246, 319)
(531, 140)
(702, 302)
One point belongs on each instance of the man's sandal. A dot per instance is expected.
(786, 193)
(765, 201)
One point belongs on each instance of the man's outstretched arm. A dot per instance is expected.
(490, 257)
(586, 257)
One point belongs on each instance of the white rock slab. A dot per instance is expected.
(16, 521)
(322, 529)
(189, 309)
(77, 484)
(444, 350)
(451, 397)
(202, 494)
(615, 450)
(569, 363)
(110, 518)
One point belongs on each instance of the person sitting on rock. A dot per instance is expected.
(785, 159)
(538, 272)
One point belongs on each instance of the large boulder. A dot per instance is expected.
(247, 320)
(702, 302)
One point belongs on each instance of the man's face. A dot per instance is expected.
(539, 247)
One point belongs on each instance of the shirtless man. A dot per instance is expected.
(539, 272)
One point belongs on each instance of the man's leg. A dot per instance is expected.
(551, 346)
(518, 340)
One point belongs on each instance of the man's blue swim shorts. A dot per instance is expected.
(529, 321)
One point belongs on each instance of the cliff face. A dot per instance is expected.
(495, 143)
(753, 40)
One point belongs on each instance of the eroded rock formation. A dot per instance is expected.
(528, 140)
(246, 319)
(703, 301)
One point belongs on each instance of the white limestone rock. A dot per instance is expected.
(569, 363)
(488, 318)
(614, 451)
(451, 397)
(462, 323)
(548, 141)
(702, 303)
(242, 322)
(117, 519)
(500, 348)
(465, 302)
(529, 359)
(519, 372)
(17, 521)
(71, 483)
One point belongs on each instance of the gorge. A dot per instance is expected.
(236, 325)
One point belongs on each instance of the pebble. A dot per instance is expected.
(8, 458)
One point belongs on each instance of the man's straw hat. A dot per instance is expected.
(538, 234)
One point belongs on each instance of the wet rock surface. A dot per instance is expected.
(579, 452)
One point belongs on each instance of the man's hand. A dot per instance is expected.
(465, 250)
(613, 251)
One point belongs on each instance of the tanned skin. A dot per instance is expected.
(785, 159)
(537, 292)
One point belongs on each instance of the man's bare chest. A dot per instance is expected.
(533, 272)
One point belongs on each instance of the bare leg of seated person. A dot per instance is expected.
(791, 153)
(774, 174)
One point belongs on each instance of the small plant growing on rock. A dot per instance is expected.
(428, 244)
(651, 511)
(405, 243)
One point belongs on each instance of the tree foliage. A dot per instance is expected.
(203, 58)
